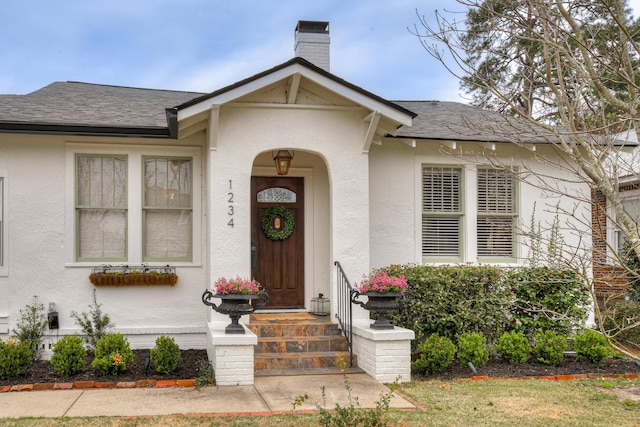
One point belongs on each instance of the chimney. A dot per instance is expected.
(312, 42)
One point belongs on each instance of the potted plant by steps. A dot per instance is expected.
(383, 292)
(239, 297)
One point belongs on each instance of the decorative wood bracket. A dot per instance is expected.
(373, 119)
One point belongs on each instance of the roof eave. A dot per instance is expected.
(86, 130)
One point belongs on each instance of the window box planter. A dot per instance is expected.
(126, 275)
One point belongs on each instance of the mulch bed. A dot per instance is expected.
(43, 371)
(501, 369)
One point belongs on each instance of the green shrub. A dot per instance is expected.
(450, 300)
(68, 355)
(547, 299)
(514, 347)
(436, 354)
(112, 354)
(592, 346)
(472, 347)
(549, 347)
(94, 324)
(14, 357)
(165, 356)
(31, 326)
(617, 321)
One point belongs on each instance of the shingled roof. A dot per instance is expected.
(461, 122)
(85, 108)
(74, 107)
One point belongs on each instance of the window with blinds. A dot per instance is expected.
(497, 213)
(442, 212)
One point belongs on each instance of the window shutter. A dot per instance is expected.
(441, 211)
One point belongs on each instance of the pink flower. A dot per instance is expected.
(237, 285)
(381, 282)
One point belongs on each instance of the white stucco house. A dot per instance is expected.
(93, 174)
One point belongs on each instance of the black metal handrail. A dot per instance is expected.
(344, 312)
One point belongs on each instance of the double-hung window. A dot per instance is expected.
(167, 209)
(2, 224)
(631, 204)
(101, 208)
(134, 207)
(497, 213)
(442, 212)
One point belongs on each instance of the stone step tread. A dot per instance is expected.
(295, 330)
(304, 338)
(309, 371)
(301, 344)
(310, 360)
(298, 355)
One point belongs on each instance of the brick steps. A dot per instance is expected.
(310, 346)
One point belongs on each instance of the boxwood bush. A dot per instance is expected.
(112, 354)
(549, 347)
(15, 356)
(165, 356)
(472, 347)
(68, 355)
(514, 347)
(436, 354)
(592, 346)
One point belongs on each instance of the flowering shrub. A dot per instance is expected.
(380, 281)
(236, 286)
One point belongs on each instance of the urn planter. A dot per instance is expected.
(380, 303)
(235, 306)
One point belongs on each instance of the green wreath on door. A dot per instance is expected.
(268, 219)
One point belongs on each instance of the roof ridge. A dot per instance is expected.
(130, 87)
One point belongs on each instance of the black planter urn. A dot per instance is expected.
(235, 306)
(380, 303)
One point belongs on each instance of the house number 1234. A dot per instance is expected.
(230, 206)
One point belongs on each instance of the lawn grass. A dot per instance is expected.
(521, 403)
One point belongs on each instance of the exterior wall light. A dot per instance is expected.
(283, 161)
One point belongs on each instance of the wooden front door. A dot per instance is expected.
(277, 260)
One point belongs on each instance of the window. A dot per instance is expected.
(101, 208)
(442, 212)
(631, 204)
(2, 222)
(134, 205)
(497, 215)
(167, 209)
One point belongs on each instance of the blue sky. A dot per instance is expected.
(202, 45)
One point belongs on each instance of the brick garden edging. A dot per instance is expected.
(192, 382)
(98, 384)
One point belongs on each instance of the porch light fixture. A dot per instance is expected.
(283, 161)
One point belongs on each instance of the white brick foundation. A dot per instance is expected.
(231, 355)
(383, 354)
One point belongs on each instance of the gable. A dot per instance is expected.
(296, 82)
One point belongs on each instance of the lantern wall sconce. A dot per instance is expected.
(283, 161)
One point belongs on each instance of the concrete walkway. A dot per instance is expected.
(267, 395)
